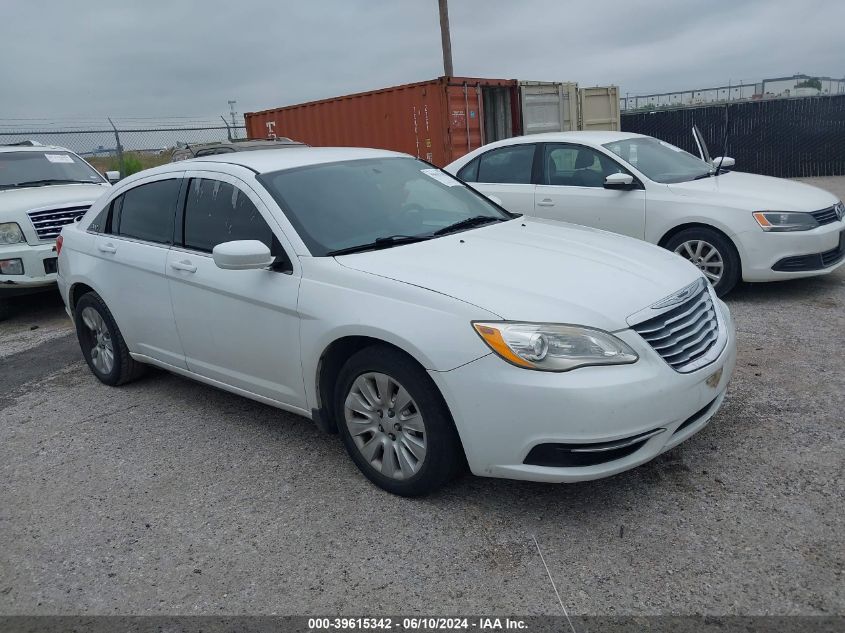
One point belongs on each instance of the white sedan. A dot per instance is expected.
(731, 225)
(388, 302)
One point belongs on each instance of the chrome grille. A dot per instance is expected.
(48, 223)
(685, 333)
(826, 216)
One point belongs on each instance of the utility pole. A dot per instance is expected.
(446, 38)
(232, 113)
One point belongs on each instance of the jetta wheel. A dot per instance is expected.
(712, 253)
(394, 422)
(705, 256)
(101, 342)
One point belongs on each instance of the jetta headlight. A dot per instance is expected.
(782, 221)
(551, 347)
(10, 233)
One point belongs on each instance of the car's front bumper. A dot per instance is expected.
(38, 267)
(502, 412)
(762, 252)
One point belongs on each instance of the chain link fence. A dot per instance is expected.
(127, 146)
(787, 138)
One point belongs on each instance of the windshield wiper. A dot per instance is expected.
(52, 181)
(379, 243)
(704, 175)
(476, 220)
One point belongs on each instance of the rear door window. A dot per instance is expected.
(146, 212)
(511, 164)
(217, 212)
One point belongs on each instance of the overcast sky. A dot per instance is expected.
(169, 58)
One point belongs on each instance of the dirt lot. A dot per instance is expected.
(169, 497)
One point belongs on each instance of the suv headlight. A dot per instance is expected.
(10, 233)
(782, 221)
(553, 347)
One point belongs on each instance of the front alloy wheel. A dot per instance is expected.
(705, 256)
(386, 425)
(712, 252)
(394, 422)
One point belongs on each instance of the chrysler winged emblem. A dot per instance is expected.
(682, 295)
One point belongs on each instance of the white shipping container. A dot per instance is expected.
(599, 108)
(548, 106)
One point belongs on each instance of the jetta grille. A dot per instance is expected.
(826, 216)
(48, 223)
(685, 333)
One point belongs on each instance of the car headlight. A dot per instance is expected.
(552, 347)
(782, 221)
(10, 233)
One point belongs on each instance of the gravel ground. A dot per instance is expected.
(170, 497)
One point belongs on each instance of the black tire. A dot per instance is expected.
(732, 268)
(124, 368)
(5, 309)
(444, 457)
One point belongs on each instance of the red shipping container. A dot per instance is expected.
(438, 120)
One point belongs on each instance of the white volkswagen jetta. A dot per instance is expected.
(390, 303)
(731, 225)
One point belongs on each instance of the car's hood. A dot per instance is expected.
(752, 192)
(16, 200)
(538, 270)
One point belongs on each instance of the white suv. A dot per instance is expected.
(42, 188)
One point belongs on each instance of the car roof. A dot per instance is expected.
(267, 160)
(33, 148)
(597, 137)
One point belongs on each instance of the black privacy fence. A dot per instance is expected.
(787, 138)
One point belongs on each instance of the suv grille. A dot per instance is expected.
(826, 216)
(685, 333)
(48, 223)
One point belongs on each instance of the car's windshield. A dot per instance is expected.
(343, 205)
(659, 160)
(29, 169)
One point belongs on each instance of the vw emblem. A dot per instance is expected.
(840, 210)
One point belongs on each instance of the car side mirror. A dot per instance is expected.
(727, 161)
(495, 200)
(619, 181)
(242, 255)
(112, 176)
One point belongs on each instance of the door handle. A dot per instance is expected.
(185, 265)
(546, 203)
(106, 248)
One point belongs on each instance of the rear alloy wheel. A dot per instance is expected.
(101, 342)
(394, 422)
(711, 253)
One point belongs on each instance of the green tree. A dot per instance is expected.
(812, 82)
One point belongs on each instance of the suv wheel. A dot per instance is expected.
(5, 309)
(394, 423)
(712, 253)
(101, 342)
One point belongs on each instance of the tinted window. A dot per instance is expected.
(345, 204)
(107, 217)
(469, 172)
(147, 211)
(217, 212)
(507, 164)
(577, 166)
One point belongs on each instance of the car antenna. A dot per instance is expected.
(724, 143)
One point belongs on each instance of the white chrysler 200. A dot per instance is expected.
(390, 303)
(731, 225)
